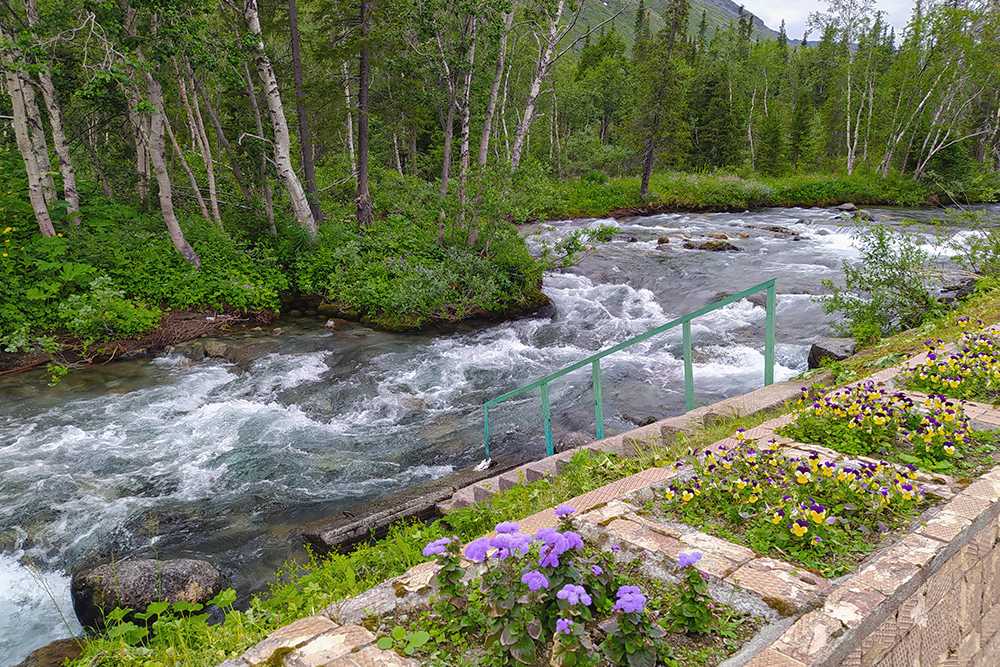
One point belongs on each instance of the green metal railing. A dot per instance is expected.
(595, 361)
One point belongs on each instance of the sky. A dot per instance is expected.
(795, 13)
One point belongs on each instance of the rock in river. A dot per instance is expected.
(134, 584)
(836, 349)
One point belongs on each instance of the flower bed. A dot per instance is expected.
(552, 599)
(822, 514)
(866, 420)
(971, 371)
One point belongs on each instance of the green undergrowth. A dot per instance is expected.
(597, 195)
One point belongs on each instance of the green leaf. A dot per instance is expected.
(420, 638)
(385, 643)
(399, 633)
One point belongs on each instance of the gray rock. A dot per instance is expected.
(548, 311)
(835, 349)
(134, 584)
(571, 440)
(663, 239)
(193, 351)
(717, 235)
(217, 349)
(847, 206)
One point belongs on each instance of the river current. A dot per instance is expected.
(174, 458)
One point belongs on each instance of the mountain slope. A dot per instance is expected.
(718, 15)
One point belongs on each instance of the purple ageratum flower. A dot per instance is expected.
(684, 560)
(437, 546)
(573, 540)
(564, 510)
(630, 600)
(509, 543)
(564, 625)
(508, 527)
(534, 580)
(574, 595)
(597, 570)
(476, 550)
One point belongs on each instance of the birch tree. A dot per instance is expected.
(282, 140)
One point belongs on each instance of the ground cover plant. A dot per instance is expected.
(552, 599)
(823, 515)
(971, 371)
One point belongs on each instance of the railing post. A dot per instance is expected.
(598, 403)
(549, 448)
(688, 366)
(769, 335)
(486, 429)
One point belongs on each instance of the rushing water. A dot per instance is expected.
(217, 461)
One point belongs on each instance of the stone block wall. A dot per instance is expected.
(931, 600)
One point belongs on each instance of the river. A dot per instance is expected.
(172, 458)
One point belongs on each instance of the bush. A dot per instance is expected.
(888, 290)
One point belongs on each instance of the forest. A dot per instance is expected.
(376, 155)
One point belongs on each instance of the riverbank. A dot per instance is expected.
(324, 581)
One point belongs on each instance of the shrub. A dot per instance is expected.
(888, 290)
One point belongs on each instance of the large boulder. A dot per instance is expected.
(54, 654)
(134, 584)
(835, 349)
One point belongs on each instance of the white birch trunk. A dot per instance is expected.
(282, 140)
(541, 71)
(36, 182)
(187, 168)
(70, 193)
(158, 157)
(491, 104)
(350, 119)
(262, 169)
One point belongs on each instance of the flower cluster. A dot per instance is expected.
(801, 503)
(972, 371)
(864, 419)
(693, 611)
(530, 586)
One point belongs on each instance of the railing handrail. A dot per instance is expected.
(594, 360)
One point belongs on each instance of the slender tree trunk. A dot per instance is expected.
(282, 141)
(413, 150)
(363, 202)
(395, 149)
(36, 132)
(262, 167)
(214, 117)
(36, 182)
(201, 139)
(305, 141)
(187, 168)
(463, 175)
(541, 71)
(491, 104)
(154, 124)
(70, 194)
(350, 120)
